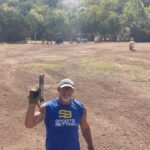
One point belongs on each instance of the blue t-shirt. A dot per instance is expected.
(61, 123)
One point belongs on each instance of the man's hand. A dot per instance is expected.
(90, 147)
(33, 96)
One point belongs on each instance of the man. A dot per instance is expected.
(131, 44)
(62, 117)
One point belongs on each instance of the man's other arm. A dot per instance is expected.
(85, 128)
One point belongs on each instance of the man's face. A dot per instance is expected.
(66, 93)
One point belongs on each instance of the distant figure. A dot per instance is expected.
(49, 42)
(131, 44)
(43, 41)
(70, 41)
(97, 39)
(58, 38)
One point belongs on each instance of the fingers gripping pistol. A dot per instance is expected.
(36, 94)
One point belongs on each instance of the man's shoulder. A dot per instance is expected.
(79, 106)
(78, 102)
(51, 102)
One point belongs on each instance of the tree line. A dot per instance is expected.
(122, 19)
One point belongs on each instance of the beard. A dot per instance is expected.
(66, 98)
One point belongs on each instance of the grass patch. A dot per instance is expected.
(118, 58)
(104, 66)
(95, 65)
(42, 66)
(88, 60)
(57, 58)
(135, 69)
(141, 79)
(136, 62)
(137, 72)
(128, 60)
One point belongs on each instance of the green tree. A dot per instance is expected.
(133, 18)
(13, 25)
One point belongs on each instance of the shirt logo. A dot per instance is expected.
(65, 114)
(65, 122)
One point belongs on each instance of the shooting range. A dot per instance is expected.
(89, 42)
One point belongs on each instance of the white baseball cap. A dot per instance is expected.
(66, 83)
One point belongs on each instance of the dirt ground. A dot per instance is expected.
(112, 82)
